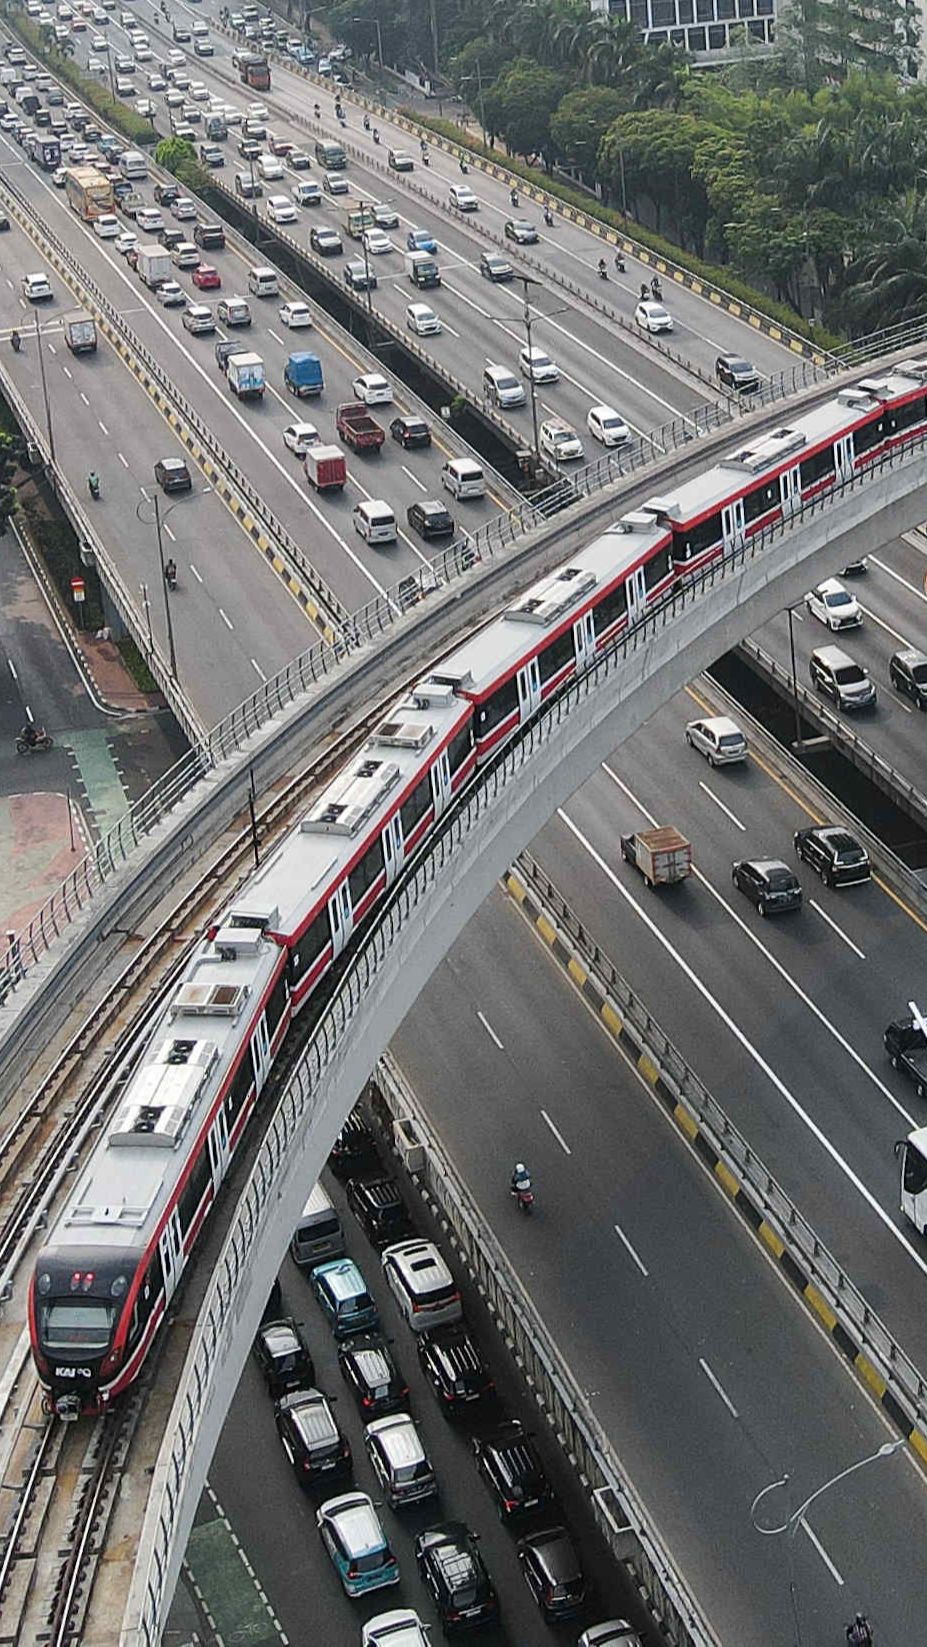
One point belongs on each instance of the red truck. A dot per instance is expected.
(326, 469)
(357, 428)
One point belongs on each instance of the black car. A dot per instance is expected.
(769, 884)
(430, 519)
(521, 231)
(736, 373)
(908, 674)
(209, 236)
(906, 1045)
(327, 242)
(410, 431)
(226, 348)
(453, 1364)
(359, 275)
(311, 1439)
(494, 267)
(451, 1567)
(4, 222)
(166, 193)
(553, 1572)
(510, 1464)
(373, 1377)
(172, 475)
(379, 1209)
(283, 1356)
(834, 853)
(354, 1150)
(170, 237)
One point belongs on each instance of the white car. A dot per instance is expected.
(124, 241)
(177, 58)
(36, 287)
(718, 738)
(607, 426)
(422, 320)
(335, 183)
(834, 606)
(300, 436)
(183, 209)
(307, 194)
(280, 209)
(199, 92)
(385, 217)
(143, 54)
(95, 65)
(400, 1628)
(170, 295)
(296, 313)
(258, 111)
(156, 82)
(373, 389)
(106, 226)
(149, 220)
(377, 242)
(99, 42)
(537, 365)
(462, 196)
(652, 317)
(559, 441)
(145, 108)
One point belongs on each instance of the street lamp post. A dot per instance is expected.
(48, 416)
(158, 522)
(794, 1520)
(797, 743)
(527, 281)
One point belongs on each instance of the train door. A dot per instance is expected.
(218, 1138)
(636, 591)
(584, 641)
(341, 916)
(170, 1247)
(732, 524)
(260, 1052)
(843, 457)
(790, 490)
(441, 782)
(528, 681)
(392, 848)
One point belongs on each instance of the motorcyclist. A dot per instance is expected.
(859, 1633)
(170, 573)
(366, 122)
(656, 288)
(603, 269)
(16, 341)
(548, 217)
(645, 290)
(463, 166)
(513, 196)
(376, 135)
(619, 262)
(30, 736)
(93, 484)
(521, 1181)
(317, 111)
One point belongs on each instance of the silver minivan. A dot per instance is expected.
(263, 282)
(374, 521)
(463, 478)
(399, 1460)
(319, 1234)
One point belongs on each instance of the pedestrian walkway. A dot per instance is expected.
(35, 850)
(98, 776)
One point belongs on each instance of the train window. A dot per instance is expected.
(238, 1091)
(870, 435)
(494, 710)
(364, 873)
(905, 417)
(557, 655)
(82, 1325)
(193, 1191)
(657, 568)
(817, 466)
(460, 747)
(697, 539)
(276, 1006)
(317, 934)
(761, 500)
(609, 610)
(415, 806)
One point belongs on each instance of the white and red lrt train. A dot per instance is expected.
(121, 1240)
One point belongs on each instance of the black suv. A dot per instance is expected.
(172, 475)
(511, 1467)
(908, 674)
(372, 1376)
(379, 1209)
(283, 1356)
(410, 431)
(354, 1149)
(736, 373)
(166, 193)
(771, 885)
(225, 348)
(553, 1572)
(834, 853)
(452, 1568)
(494, 267)
(209, 236)
(311, 1439)
(455, 1369)
(430, 519)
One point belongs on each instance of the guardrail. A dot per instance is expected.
(879, 771)
(618, 1509)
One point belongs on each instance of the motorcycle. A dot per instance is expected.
(16, 342)
(656, 289)
(170, 575)
(523, 1195)
(619, 263)
(548, 217)
(93, 486)
(603, 269)
(35, 745)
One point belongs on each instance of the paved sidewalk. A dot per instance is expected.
(36, 852)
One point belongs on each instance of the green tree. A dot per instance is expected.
(520, 104)
(178, 156)
(655, 150)
(581, 121)
(8, 466)
(888, 280)
(480, 61)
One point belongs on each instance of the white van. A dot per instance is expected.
(463, 478)
(318, 1236)
(132, 163)
(263, 282)
(375, 521)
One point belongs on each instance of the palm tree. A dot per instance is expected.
(889, 277)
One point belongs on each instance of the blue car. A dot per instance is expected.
(350, 1530)
(342, 1292)
(421, 240)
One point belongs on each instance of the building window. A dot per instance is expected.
(696, 39)
(717, 38)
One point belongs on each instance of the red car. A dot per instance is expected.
(206, 277)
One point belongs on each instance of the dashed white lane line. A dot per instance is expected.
(227, 621)
(718, 1387)
(84, 398)
(719, 803)
(489, 1030)
(168, 533)
(414, 478)
(557, 1133)
(631, 1250)
(12, 668)
(838, 929)
(122, 460)
(835, 1575)
(103, 428)
(874, 616)
(258, 670)
(890, 571)
(198, 575)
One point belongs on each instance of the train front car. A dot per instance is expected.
(76, 1305)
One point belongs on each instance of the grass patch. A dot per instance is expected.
(136, 665)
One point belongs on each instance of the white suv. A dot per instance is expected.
(834, 606)
(424, 1287)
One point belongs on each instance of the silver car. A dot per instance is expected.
(718, 738)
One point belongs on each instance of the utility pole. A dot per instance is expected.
(528, 281)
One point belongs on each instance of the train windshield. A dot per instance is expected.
(71, 1324)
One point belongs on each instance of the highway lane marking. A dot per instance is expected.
(839, 930)
(490, 1031)
(196, 573)
(777, 966)
(631, 1250)
(821, 1552)
(725, 809)
(122, 460)
(753, 1052)
(83, 397)
(12, 668)
(226, 620)
(890, 571)
(414, 478)
(718, 1387)
(103, 428)
(168, 533)
(67, 372)
(901, 703)
(903, 641)
(258, 669)
(276, 338)
(557, 1133)
(400, 533)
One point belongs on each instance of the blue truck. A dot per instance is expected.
(302, 374)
